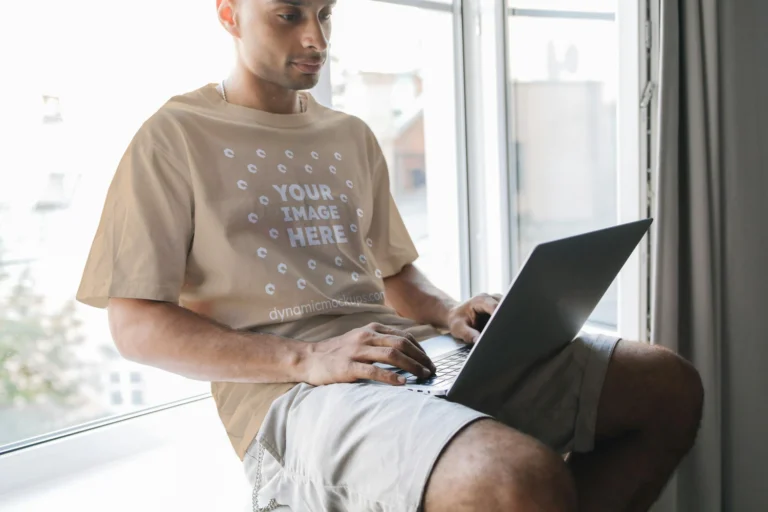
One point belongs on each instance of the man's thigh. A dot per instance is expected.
(557, 401)
(356, 447)
(369, 447)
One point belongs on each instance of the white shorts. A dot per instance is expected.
(367, 447)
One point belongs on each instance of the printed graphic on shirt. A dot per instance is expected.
(308, 212)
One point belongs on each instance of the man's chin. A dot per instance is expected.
(298, 81)
(304, 83)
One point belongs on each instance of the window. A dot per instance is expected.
(563, 125)
(116, 398)
(79, 92)
(137, 397)
(555, 140)
(551, 108)
(403, 87)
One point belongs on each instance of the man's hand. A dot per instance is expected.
(349, 357)
(463, 319)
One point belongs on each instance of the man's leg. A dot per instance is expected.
(491, 467)
(648, 416)
(361, 447)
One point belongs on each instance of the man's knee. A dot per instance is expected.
(684, 396)
(491, 467)
(653, 389)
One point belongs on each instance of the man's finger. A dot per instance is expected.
(410, 348)
(385, 329)
(393, 357)
(467, 333)
(484, 305)
(370, 372)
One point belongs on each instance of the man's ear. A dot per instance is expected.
(227, 17)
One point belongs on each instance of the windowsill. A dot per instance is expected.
(174, 459)
(86, 427)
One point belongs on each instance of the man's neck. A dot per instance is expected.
(248, 90)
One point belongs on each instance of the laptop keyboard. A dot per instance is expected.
(447, 369)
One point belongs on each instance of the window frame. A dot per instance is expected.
(491, 267)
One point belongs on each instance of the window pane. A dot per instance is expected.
(137, 397)
(79, 92)
(563, 90)
(403, 87)
(565, 5)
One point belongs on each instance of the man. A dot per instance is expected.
(249, 239)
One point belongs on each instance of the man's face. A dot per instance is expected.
(284, 42)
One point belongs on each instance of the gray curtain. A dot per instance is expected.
(711, 283)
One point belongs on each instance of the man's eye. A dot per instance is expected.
(326, 16)
(289, 17)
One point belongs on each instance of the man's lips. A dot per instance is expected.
(309, 66)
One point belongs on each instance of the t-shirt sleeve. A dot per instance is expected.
(392, 245)
(143, 238)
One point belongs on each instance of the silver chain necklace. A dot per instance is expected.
(302, 107)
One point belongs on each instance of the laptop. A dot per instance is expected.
(543, 310)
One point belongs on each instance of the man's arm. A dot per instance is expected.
(412, 295)
(177, 340)
(166, 336)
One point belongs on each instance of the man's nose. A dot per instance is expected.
(315, 37)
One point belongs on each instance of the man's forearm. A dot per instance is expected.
(172, 338)
(413, 296)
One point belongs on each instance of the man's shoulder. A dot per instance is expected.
(168, 124)
(334, 116)
(179, 109)
(354, 130)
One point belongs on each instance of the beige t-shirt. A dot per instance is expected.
(264, 222)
